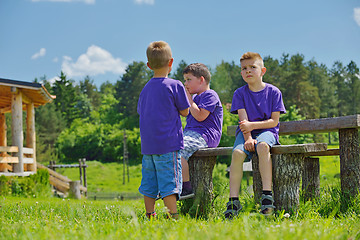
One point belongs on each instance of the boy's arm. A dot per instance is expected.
(200, 114)
(249, 144)
(184, 112)
(247, 127)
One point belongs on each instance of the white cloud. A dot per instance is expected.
(357, 15)
(150, 2)
(53, 80)
(55, 59)
(84, 1)
(95, 61)
(41, 53)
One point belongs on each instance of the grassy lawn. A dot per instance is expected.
(330, 217)
(70, 219)
(107, 177)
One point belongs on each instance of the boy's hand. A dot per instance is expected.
(246, 126)
(249, 145)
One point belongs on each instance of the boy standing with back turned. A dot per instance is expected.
(161, 102)
(258, 105)
(204, 123)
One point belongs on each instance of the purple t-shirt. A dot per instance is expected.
(258, 106)
(160, 126)
(210, 128)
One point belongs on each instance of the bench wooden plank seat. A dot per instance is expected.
(309, 149)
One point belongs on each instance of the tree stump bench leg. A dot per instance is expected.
(200, 169)
(311, 178)
(286, 171)
(349, 161)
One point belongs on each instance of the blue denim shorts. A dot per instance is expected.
(161, 174)
(267, 137)
(193, 141)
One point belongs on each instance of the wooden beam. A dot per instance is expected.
(322, 125)
(53, 173)
(9, 149)
(9, 160)
(58, 184)
(3, 141)
(5, 110)
(17, 127)
(28, 150)
(298, 148)
(3, 127)
(30, 135)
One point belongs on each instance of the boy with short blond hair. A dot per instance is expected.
(204, 123)
(258, 105)
(161, 102)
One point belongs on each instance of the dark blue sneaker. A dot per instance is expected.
(186, 193)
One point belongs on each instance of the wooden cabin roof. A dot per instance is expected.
(32, 92)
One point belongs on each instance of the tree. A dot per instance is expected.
(178, 74)
(226, 79)
(297, 89)
(338, 73)
(353, 80)
(88, 88)
(66, 98)
(273, 72)
(320, 78)
(128, 89)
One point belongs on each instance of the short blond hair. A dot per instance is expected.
(253, 56)
(158, 54)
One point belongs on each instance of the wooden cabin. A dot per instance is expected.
(17, 97)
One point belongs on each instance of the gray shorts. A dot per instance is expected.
(193, 141)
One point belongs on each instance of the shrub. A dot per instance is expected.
(34, 185)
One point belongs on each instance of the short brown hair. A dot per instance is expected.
(198, 70)
(158, 54)
(252, 55)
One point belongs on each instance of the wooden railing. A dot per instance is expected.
(6, 154)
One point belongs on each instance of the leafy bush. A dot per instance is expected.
(34, 185)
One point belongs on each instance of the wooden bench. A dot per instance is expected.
(290, 163)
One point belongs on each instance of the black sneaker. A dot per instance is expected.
(186, 193)
(267, 209)
(232, 209)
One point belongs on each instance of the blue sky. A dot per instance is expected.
(100, 38)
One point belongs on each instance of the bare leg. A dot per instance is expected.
(236, 172)
(185, 170)
(170, 203)
(265, 165)
(149, 204)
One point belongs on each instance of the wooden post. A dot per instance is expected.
(3, 140)
(17, 127)
(311, 178)
(287, 169)
(75, 190)
(125, 157)
(30, 133)
(80, 170)
(349, 161)
(84, 177)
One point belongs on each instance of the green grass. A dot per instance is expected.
(71, 219)
(107, 177)
(329, 217)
